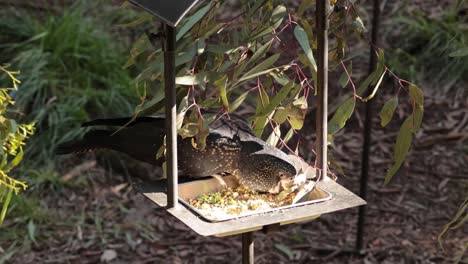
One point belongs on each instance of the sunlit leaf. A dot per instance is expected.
(376, 87)
(275, 136)
(181, 111)
(303, 40)
(191, 79)
(192, 20)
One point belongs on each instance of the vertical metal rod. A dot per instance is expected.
(247, 248)
(367, 130)
(322, 10)
(171, 114)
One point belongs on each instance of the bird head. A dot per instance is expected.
(266, 170)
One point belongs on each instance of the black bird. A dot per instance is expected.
(231, 147)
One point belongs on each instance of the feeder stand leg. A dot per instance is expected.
(247, 248)
(322, 11)
(171, 114)
(367, 130)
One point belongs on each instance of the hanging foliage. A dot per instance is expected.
(12, 138)
(261, 62)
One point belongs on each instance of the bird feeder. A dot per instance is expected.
(333, 196)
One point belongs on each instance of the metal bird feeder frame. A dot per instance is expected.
(166, 195)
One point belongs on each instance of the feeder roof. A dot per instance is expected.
(170, 11)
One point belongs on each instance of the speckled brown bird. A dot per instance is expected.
(231, 147)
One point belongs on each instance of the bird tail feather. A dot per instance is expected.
(93, 140)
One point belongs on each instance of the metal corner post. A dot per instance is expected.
(367, 130)
(247, 248)
(321, 13)
(169, 44)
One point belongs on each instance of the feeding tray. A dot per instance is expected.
(335, 196)
(194, 189)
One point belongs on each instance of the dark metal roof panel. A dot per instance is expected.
(170, 11)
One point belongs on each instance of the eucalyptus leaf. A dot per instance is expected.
(402, 146)
(387, 111)
(459, 53)
(275, 136)
(192, 20)
(260, 68)
(285, 250)
(303, 40)
(238, 102)
(342, 114)
(279, 97)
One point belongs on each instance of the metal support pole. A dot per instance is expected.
(171, 114)
(247, 248)
(322, 10)
(367, 130)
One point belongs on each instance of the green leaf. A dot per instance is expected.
(192, 20)
(281, 114)
(285, 250)
(260, 52)
(188, 130)
(418, 110)
(238, 101)
(387, 111)
(256, 6)
(376, 76)
(32, 230)
(416, 94)
(280, 78)
(376, 87)
(402, 146)
(260, 124)
(5, 205)
(221, 83)
(344, 78)
(183, 107)
(288, 135)
(259, 69)
(197, 79)
(358, 25)
(279, 97)
(15, 161)
(305, 4)
(342, 114)
(449, 225)
(303, 40)
(277, 16)
(459, 53)
(140, 20)
(274, 136)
